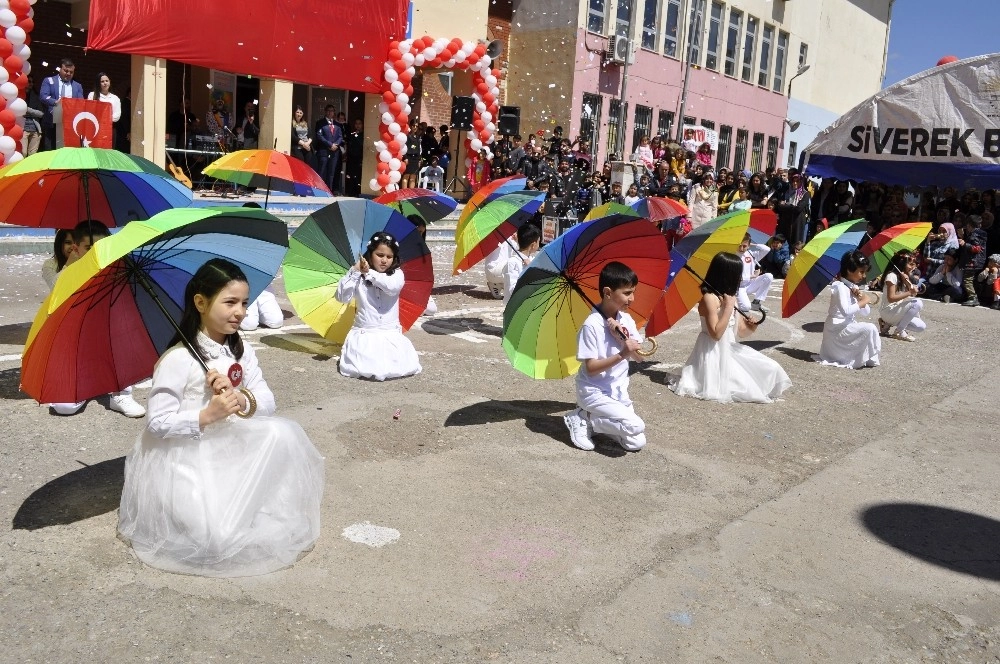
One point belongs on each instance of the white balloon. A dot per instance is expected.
(383, 107)
(394, 177)
(491, 80)
(4, 4)
(18, 106)
(400, 141)
(3, 76)
(481, 107)
(495, 92)
(14, 158)
(429, 53)
(394, 164)
(485, 62)
(1, 130)
(440, 43)
(468, 48)
(26, 68)
(386, 66)
(448, 64)
(471, 135)
(7, 18)
(402, 98)
(490, 127)
(7, 145)
(384, 156)
(8, 91)
(407, 110)
(411, 71)
(476, 145)
(408, 59)
(486, 116)
(23, 51)
(391, 75)
(397, 87)
(373, 183)
(405, 45)
(380, 145)
(460, 57)
(418, 61)
(394, 128)
(15, 35)
(387, 117)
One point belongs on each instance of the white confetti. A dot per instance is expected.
(370, 534)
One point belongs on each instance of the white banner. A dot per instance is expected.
(700, 135)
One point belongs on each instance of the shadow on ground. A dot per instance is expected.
(10, 384)
(960, 541)
(816, 327)
(15, 334)
(797, 353)
(451, 325)
(75, 496)
(309, 343)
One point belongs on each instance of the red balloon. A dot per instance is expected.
(386, 137)
(480, 50)
(20, 7)
(395, 107)
(428, 41)
(485, 135)
(16, 132)
(394, 45)
(489, 100)
(483, 89)
(382, 179)
(471, 60)
(436, 62)
(21, 81)
(409, 91)
(394, 55)
(382, 167)
(399, 66)
(6, 49)
(401, 119)
(388, 96)
(496, 73)
(478, 123)
(405, 78)
(948, 59)
(7, 119)
(13, 64)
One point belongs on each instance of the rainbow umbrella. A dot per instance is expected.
(658, 208)
(611, 208)
(558, 290)
(115, 311)
(881, 248)
(492, 225)
(325, 246)
(490, 191)
(426, 204)
(818, 263)
(762, 227)
(270, 170)
(59, 188)
(690, 259)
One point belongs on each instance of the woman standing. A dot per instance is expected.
(102, 92)
(301, 141)
(704, 201)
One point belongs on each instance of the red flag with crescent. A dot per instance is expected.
(87, 123)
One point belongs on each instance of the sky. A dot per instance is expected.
(924, 31)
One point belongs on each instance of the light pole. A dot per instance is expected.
(803, 69)
(620, 139)
(688, 33)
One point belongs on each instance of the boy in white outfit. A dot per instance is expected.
(495, 264)
(529, 238)
(263, 312)
(753, 284)
(602, 382)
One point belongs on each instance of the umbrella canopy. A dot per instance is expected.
(113, 312)
(270, 170)
(328, 243)
(490, 191)
(493, 224)
(426, 204)
(558, 290)
(690, 259)
(818, 263)
(881, 248)
(59, 188)
(762, 227)
(658, 208)
(611, 208)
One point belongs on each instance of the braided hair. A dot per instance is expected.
(388, 240)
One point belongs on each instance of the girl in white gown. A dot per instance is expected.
(847, 342)
(375, 347)
(207, 492)
(720, 368)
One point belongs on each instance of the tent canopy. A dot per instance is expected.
(336, 44)
(938, 127)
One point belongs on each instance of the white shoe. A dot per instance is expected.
(126, 405)
(579, 431)
(66, 409)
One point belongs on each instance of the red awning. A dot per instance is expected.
(334, 43)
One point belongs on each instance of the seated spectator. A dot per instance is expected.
(987, 283)
(632, 195)
(704, 155)
(938, 243)
(776, 261)
(432, 175)
(946, 282)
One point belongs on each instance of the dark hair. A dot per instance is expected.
(208, 281)
(777, 238)
(527, 235)
(953, 252)
(66, 62)
(90, 228)
(724, 274)
(97, 85)
(388, 240)
(616, 275)
(853, 260)
(57, 251)
(419, 222)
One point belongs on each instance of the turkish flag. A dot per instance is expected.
(86, 123)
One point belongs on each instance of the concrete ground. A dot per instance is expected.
(857, 520)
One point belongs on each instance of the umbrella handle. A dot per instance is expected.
(746, 315)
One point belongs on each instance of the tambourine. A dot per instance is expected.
(646, 352)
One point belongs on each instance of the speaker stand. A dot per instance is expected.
(455, 181)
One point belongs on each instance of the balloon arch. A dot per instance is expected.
(400, 66)
(16, 24)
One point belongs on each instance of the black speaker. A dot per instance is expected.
(461, 112)
(509, 122)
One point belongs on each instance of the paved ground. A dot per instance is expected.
(856, 521)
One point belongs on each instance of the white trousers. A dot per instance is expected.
(74, 408)
(755, 289)
(612, 417)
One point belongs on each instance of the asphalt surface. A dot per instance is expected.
(857, 520)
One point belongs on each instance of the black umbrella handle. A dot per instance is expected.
(746, 316)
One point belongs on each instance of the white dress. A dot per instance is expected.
(846, 342)
(727, 371)
(375, 347)
(240, 498)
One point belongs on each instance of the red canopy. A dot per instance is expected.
(336, 44)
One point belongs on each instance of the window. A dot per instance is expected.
(595, 16)
(714, 38)
(664, 124)
(725, 136)
(766, 37)
(740, 162)
(616, 114)
(749, 48)
(688, 120)
(650, 21)
(757, 155)
(590, 119)
(803, 54)
(670, 33)
(772, 151)
(621, 17)
(779, 62)
(641, 124)
(707, 124)
(793, 147)
(694, 34)
(733, 41)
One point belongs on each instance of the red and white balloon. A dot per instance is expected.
(16, 24)
(400, 66)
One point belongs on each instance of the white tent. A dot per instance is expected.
(938, 127)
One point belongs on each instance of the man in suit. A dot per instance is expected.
(53, 89)
(329, 138)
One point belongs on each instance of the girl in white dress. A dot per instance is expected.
(900, 306)
(375, 347)
(207, 492)
(720, 368)
(847, 342)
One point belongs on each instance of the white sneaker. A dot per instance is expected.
(126, 405)
(579, 432)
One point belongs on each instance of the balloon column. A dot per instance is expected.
(16, 23)
(400, 66)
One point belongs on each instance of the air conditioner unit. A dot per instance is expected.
(618, 50)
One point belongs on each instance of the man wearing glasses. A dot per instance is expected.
(53, 89)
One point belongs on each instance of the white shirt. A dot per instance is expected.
(179, 391)
(751, 257)
(596, 341)
(497, 260)
(511, 272)
(377, 297)
(116, 104)
(843, 305)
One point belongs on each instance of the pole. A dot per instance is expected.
(620, 139)
(686, 64)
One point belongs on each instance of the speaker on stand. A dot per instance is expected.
(461, 119)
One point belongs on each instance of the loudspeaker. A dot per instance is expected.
(509, 122)
(461, 112)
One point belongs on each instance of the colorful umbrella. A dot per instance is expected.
(426, 204)
(690, 259)
(818, 263)
(762, 227)
(881, 248)
(270, 170)
(113, 312)
(558, 290)
(59, 188)
(328, 243)
(611, 208)
(493, 224)
(658, 208)
(490, 191)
